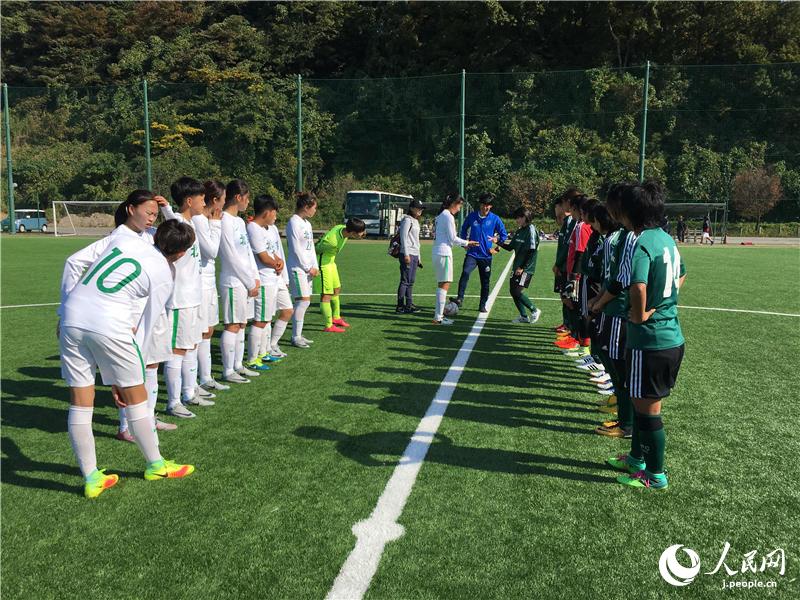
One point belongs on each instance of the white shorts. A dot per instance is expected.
(443, 267)
(83, 352)
(186, 329)
(158, 348)
(209, 308)
(272, 298)
(300, 283)
(706, 236)
(237, 306)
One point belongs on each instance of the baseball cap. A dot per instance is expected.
(416, 204)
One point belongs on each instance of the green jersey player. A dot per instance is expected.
(525, 245)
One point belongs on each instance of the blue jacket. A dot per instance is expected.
(480, 230)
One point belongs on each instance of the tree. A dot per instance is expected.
(755, 193)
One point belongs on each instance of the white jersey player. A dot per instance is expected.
(92, 335)
(302, 262)
(444, 240)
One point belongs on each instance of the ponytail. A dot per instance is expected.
(449, 201)
(135, 198)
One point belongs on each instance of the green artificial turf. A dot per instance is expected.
(513, 500)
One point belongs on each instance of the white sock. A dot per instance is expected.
(172, 377)
(300, 308)
(254, 342)
(79, 426)
(441, 300)
(266, 336)
(277, 332)
(123, 420)
(239, 349)
(151, 385)
(143, 431)
(227, 344)
(204, 360)
(189, 374)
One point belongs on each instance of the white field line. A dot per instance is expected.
(548, 299)
(382, 527)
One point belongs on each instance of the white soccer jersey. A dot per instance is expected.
(188, 290)
(238, 267)
(76, 264)
(111, 289)
(275, 248)
(300, 240)
(208, 233)
(259, 243)
(446, 236)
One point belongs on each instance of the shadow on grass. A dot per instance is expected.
(382, 449)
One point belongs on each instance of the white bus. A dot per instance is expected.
(380, 211)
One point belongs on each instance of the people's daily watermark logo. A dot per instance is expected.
(672, 571)
(679, 566)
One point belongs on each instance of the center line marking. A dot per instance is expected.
(382, 527)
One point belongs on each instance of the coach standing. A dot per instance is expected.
(483, 227)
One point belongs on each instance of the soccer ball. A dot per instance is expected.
(450, 309)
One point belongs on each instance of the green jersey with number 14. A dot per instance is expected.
(657, 263)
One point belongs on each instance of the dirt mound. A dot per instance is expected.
(92, 221)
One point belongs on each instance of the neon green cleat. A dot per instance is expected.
(643, 479)
(624, 462)
(166, 469)
(98, 482)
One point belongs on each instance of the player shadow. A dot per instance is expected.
(370, 449)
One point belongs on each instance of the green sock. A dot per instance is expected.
(520, 307)
(636, 445)
(624, 406)
(523, 298)
(335, 307)
(325, 307)
(656, 443)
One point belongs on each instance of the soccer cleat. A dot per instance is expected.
(606, 392)
(535, 315)
(605, 386)
(457, 301)
(567, 343)
(268, 358)
(203, 393)
(257, 365)
(197, 401)
(211, 384)
(521, 320)
(643, 479)
(245, 372)
(624, 462)
(576, 353)
(162, 426)
(341, 322)
(179, 410)
(276, 352)
(586, 342)
(166, 469)
(307, 341)
(125, 436)
(560, 329)
(98, 482)
(482, 309)
(299, 343)
(235, 378)
(413, 309)
(600, 378)
(591, 366)
(617, 432)
(400, 309)
(444, 321)
(610, 401)
(334, 329)
(609, 410)
(586, 359)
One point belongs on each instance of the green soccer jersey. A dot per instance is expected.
(562, 249)
(330, 244)
(595, 263)
(657, 263)
(586, 266)
(525, 244)
(613, 248)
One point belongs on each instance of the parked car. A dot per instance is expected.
(27, 220)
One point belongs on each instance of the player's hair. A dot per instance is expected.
(135, 198)
(354, 225)
(214, 190)
(577, 201)
(486, 198)
(525, 213)
(602, 217)
(235, 187)
(588, 205)
(449, 201)
(568, 195)
(304, 200)
(643, 204)
(184, 188)
(263, 203)
(614, 197)
(173, 236)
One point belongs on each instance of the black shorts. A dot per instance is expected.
(612, 336)
(652, 373)
(559, 282)
(523, 280)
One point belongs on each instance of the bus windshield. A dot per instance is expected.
(362, 205)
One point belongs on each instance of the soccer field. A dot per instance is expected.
(513, 499)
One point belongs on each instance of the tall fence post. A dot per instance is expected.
(147, 160)
(12, 228)
(462, 157)
(299, 133)
(643, 139)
